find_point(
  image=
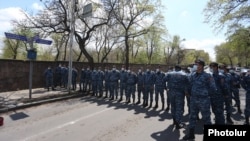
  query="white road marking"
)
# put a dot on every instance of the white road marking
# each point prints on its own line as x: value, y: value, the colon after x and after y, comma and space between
x: 67, y: 124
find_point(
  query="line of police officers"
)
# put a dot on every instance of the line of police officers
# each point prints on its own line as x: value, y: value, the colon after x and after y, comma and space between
x: 213, y: 90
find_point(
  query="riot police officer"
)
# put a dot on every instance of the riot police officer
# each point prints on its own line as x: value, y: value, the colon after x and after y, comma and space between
x: 114, y: 78
x: 100, y: 79
x: 107, y: 82
x: 159, y: 87
x: 178, y: 88
x: 140, y: 85
x: 82, y: 80
x: 74, y: 78
x: 49, y: 78
x: 246, y: 85
x: 149, y: 81
x: 235, y: 85
x: 201, y: 85
x: 122, y: 82
x: 217, y: 98
x: 131, y: 80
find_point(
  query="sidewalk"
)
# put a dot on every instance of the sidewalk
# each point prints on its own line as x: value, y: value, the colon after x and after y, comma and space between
x: 14, y: 100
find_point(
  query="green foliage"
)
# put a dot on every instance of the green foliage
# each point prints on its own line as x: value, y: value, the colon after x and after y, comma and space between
x: 16, y: 49
x: 221, y: 13
x: 235, y: 51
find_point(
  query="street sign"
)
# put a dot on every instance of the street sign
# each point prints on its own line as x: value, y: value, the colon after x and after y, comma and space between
x: 42, y: 41
x: 15, y: 36
x: 87, y: 10
x: 31, y: 54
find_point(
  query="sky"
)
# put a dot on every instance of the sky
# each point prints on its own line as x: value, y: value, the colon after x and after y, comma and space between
x: 182, y: 17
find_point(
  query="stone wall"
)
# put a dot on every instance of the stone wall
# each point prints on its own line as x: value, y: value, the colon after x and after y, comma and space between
x: 14, y: 74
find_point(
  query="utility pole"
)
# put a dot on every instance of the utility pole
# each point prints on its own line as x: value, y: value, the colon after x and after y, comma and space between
x: 71, y: 36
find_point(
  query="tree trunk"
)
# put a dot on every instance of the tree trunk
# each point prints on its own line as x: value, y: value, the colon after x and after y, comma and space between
x: 84, y: 51
x: 126, y: 52
x: 57, y: 55
x: 79, y: 57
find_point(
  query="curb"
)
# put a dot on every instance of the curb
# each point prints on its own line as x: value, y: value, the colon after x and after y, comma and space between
x: 36, y: 103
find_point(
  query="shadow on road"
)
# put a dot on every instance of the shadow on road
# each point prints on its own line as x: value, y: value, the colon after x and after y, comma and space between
x: 170, y: 134
x: 138, y: 109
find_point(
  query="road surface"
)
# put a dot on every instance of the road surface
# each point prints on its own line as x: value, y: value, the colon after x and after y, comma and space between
x: 95, y: 119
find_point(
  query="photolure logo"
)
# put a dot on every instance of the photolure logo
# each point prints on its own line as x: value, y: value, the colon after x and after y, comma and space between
x: 239, y: 132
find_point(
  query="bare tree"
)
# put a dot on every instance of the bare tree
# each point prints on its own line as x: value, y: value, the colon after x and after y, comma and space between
x: 130, y: 14
x: 59, y: 43
x: 55, y: 19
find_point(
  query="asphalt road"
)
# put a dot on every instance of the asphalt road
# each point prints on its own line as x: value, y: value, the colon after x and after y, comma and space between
x: 94, y: 119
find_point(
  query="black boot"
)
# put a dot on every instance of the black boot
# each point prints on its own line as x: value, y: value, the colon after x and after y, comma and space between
x: 120, y: 99
x: 111, y: 98
x: 247, y: 120
x: 179, y: 125
x: 156, y: 105
x: 239, y: 110
x: 100, y: 95
x: 128, y: 100
x: 167, y: 109
x: 138, y: 102
x: 162, y: 107
x: 106, y: 96
x: 145, y: 103
x: 190, y: 135
x: 150, y: 105
x: 229, y: 120
x: 174, y: 122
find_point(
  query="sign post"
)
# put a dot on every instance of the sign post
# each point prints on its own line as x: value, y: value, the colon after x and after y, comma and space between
x: 87, y: 12
x: 31, y: 52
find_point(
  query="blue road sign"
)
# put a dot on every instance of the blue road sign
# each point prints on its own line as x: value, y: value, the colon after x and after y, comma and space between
x: 31, y: 54
x: 15, y: 36
x: 42, y: 41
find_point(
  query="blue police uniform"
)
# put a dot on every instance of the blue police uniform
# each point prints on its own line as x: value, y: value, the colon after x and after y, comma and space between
x: 58, y: 76
x: 65, y: 77
x: 122, y: 83
x: 217, y: 98
x: 94, y: 80
x: 131, y: 80
x: 228, y: 97
x: 202, y: 84
x: 114, y: 78
x: 82, y: 80
x: 246, y: 85
x: 88, y: 80
x: 149, y: 81
x: 74, y: 78
x: 100, y: 79
x: 49, y: 78
x: 168, y: 95
x: 140, y: 85
x: 235, y: 85
x: 159, y: 88
x: 177, y: 85
x: 107, y: 83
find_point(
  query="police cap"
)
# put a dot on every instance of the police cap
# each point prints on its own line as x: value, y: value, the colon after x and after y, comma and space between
x: 214, y: 64
x: 199, y: 61
x: 177, y: 67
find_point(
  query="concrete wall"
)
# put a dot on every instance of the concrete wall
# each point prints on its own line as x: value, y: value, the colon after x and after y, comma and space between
x: 14, y: 74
